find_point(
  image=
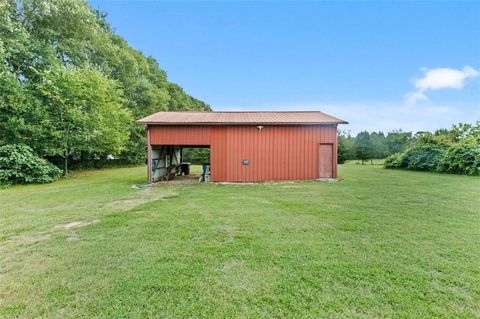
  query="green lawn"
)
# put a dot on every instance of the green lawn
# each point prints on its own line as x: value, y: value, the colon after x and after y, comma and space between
x: 380, y: 243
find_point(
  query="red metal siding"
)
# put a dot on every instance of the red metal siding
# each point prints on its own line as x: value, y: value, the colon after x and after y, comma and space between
x: 275, y: 153
x: 180, y: 135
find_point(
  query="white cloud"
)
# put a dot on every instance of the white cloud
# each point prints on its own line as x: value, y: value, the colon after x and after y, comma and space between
x: 441, y: 78
x: 414, y: 97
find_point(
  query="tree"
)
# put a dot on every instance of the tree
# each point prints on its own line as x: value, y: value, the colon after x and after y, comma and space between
x: 363, y: 146
x: 84, y: 113
x: 341, y: 148
x: 398, y: 141
x: 462, y: 131
x: 21, y: 114
x: 379, y: 145
x: 346, y: 147
x: 196, y: 155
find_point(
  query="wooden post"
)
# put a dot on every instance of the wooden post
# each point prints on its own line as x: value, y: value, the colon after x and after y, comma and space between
x: 149, y: 158
x: 335, y: 154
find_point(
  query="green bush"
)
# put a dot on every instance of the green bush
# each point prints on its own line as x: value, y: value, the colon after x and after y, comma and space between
x: 18, y: 164
x: 461, y: 158
x: 397, y: 160
x: 424, y: 157
x: 439, y: 153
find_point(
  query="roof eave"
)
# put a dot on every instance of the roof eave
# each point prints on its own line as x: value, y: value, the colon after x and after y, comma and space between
x: 238, y: 123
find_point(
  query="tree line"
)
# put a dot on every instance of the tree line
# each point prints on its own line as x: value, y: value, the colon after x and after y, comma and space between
x: 366, y: 146
x: 455, y: 150
x: 71, y: 89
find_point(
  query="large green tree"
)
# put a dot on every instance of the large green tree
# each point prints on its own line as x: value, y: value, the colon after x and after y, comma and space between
x: 379, y: 145
x: 363, y: 146
x: 83, y: 113
x: 346, y: 147
x: 398, y: 141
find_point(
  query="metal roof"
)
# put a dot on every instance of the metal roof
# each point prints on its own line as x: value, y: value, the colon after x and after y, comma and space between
x: 240, y: 118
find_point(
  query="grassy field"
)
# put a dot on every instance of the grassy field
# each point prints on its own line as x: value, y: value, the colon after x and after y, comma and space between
x: 380, y: 243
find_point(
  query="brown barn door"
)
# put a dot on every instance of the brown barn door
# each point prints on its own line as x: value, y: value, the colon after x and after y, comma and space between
x: 325, y: 161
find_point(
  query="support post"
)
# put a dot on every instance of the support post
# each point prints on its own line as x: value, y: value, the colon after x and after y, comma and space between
x: 149, y: 158
x: 335, y: 154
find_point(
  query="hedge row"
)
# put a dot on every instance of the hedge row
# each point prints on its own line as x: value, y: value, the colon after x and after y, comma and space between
x: 436, y: 154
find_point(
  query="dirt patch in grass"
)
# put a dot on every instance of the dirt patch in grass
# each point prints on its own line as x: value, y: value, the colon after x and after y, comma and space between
x: 142, y: 196
x: 22, y: 243
x: 182, y: 180
x: 292, y: 186
x: 76, y: 224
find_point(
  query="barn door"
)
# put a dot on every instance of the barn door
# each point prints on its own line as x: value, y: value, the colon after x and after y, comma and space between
x: 325, y: 161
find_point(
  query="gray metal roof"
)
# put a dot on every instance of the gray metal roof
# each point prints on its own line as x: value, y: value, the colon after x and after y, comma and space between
x: 240, y: 118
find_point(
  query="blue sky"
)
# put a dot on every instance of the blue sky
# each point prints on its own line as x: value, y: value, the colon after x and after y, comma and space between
x: 380, y: 66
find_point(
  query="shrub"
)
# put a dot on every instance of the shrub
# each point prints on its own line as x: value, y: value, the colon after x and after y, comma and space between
x: 18, y: 164
x: 396, y: 160
x: 440, y: 153
x: 461, y: 158
x: 424, y: 157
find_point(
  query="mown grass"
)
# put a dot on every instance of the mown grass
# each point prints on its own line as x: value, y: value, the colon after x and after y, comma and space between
x: 380, y: 243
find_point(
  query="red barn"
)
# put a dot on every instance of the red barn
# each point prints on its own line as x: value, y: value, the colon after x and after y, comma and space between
x: 246, y: 146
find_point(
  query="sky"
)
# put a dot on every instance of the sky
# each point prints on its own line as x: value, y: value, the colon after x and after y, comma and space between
x: 379, y: 66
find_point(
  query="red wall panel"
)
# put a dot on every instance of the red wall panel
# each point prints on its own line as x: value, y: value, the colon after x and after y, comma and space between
x: 180, y: 135
x: 274, y: 153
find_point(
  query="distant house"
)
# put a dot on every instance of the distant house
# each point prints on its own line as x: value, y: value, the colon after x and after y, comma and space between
x: 246, y: 146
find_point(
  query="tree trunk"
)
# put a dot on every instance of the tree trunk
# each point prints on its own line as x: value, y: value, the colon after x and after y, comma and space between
x: 65, y: 165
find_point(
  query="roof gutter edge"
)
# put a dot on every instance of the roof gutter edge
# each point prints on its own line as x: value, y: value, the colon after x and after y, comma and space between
x: 235, y: 123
